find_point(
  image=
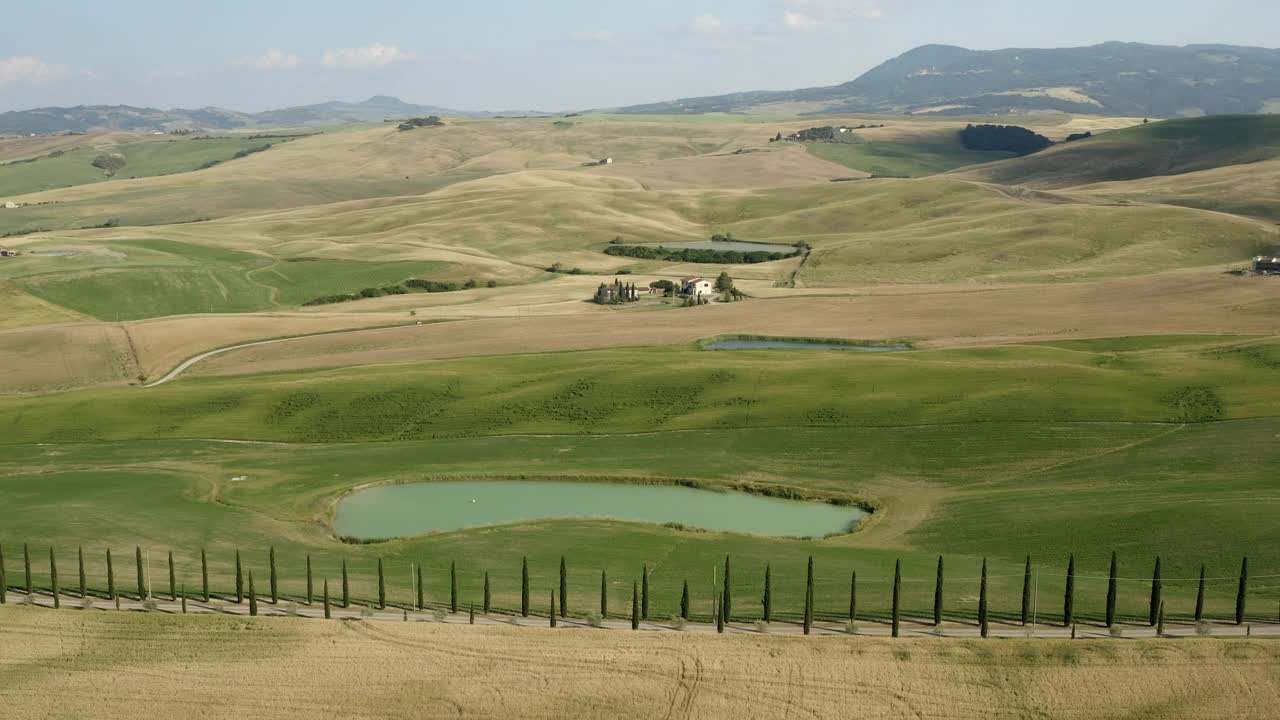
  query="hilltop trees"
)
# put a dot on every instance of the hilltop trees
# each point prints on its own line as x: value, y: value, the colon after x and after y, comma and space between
x: 1008, y: 138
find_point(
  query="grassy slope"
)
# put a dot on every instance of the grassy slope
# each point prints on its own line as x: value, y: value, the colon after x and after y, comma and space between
x: 1171, y: 147
x: 1000, y: 452
x: 94, y: 664
x: 129, y: 280
x: 912, y: 155
x: 145, y: 158
x: 1251, y: 190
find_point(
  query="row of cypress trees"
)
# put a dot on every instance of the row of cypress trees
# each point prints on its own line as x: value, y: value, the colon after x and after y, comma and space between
x: 723, y: 600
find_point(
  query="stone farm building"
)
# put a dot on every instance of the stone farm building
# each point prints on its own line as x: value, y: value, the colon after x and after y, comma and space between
x: 1265, y: 264
x: 696, y: 286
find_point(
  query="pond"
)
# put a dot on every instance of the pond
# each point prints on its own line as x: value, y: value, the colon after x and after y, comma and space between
x: 731, y: 245
x: 783, y: 344
x: 388, y: 511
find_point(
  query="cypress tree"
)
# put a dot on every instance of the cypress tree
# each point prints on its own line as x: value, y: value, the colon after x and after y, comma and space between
x: 184, y: 598
x: 275, y: 588
x: 204, y: 576
x: 720, y: 614
x: 1111, y: 591
x: 897, y: 591
x: 253, y: 597
x: 1242, y: 590
x: 453, y: 587
x: 1200, y: 597
x: 1160, y: 622
x: 604, y: 595
x: 808, y: 598
x: 684, y: 601
x: 111, y: 577
x: 937, y: 595
x: 552, y: 614
x: 767, y: 600
x: 486, y: 592
x: 524, y: 587
x: 173, y: 579
x: 1026, y: 592
x: 53, y: 579
x: 726, y: 597
x: 26, y: 566
x: 471, y: 614
x: 982, y: 601
x: 327, y: 612
x: 644, y: 591
x: 382, y: 587
x: 310, y: 587
x: 84, y: 590
x: 564, y: 589
x: 142, y: 580
x: 853, y: 596
x: 239, y: 579
x: 1156, y: 593
x: 4, y: 581
x: 346, y: 587
x: 1069, y: 597
x: 422, y: 598
x: 635, y: 607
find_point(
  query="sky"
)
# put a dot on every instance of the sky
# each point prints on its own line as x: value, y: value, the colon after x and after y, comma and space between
x: 553, y: 55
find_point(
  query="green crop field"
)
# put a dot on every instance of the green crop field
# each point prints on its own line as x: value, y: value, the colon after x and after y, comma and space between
x: 999, y: 453
x: 896, y: 159
x: 145, y: 157
x: 128, y: 280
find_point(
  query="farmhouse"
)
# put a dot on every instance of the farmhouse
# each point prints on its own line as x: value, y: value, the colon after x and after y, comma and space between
x: 1265, y: 264
x: 9, y: 253
x: 695, y: 286
x: 10, y: 205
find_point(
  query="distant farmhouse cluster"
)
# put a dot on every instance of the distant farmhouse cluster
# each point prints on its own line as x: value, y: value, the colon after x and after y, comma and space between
x: 5, y: 252
x: 1267, y: 265
x: 694, y: 290
x: 827, y: 133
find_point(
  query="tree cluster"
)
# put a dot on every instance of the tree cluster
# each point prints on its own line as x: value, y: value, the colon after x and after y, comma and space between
x: 414, y: 123
x: 694, y: 255
x: 411, y: 285
x: 1007, y: 138
x: 617, y: 293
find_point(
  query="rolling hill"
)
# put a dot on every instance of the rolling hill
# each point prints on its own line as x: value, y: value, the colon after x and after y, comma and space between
x: 1112, y: 78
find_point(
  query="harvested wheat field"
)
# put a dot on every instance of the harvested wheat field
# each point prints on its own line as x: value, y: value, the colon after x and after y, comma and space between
x: 90, y: 664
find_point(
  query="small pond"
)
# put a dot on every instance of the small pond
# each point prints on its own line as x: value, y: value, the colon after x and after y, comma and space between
x: 782, y: 344
x: 730, y: 245
x: 388, y: 511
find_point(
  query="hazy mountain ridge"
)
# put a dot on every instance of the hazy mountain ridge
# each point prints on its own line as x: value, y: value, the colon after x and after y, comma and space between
x: 1130, y: 79
x: 83, y: 118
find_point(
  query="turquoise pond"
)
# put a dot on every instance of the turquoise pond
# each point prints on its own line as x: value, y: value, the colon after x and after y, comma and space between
x: 389, y: 511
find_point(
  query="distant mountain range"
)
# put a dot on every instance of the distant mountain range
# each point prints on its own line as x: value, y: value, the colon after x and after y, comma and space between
x: 1114, y: 78
x: 83, y: 118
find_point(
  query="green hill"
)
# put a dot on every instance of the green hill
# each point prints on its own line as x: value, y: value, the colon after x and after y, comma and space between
x: 1172, y: 147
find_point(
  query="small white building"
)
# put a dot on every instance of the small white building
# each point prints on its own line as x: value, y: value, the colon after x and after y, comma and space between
x: 696, y: 286
x: 10, y: 205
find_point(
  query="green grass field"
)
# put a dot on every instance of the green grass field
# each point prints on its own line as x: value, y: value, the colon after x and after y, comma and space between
x: 901, y: 159
x: 999, y: 452
x: 143, y: 158
x: 129, y: 280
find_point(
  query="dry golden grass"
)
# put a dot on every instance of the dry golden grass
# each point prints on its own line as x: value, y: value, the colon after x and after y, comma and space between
x: 109, y: 665
x: 1174, y: 303
x: 19, y: 309
x: 61, y: 357
x: 757, y: 168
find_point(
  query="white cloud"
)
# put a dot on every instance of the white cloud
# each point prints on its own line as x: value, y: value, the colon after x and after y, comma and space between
x: 798, y: 21
x: 809, y: 14
x: 275, y: 59
x: 375, y: 55
x: 25, y: 68
x: 600, y: 36
x: 708, y: 23
x: 170, y: 72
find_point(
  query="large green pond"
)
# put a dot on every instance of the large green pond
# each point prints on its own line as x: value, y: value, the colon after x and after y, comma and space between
x: 389, y: 511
